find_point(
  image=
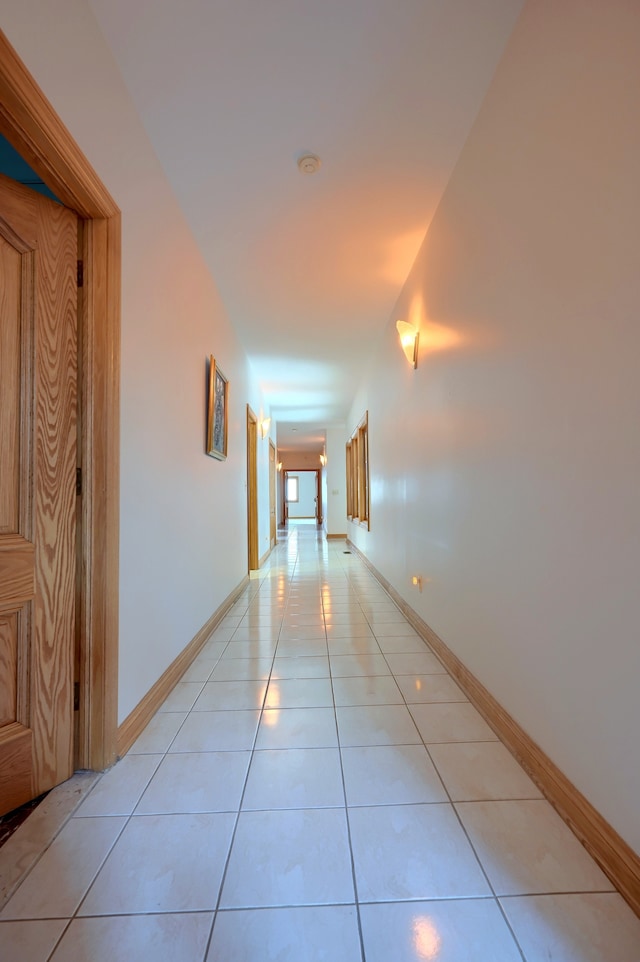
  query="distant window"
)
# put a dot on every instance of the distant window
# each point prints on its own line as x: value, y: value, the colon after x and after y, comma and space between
x: 293, y: 489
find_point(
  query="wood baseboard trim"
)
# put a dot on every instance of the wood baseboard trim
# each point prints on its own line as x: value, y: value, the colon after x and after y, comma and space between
x: 337, y: 537
x: 135, y: 723
x: 616, y: 859
x: 264, y: 557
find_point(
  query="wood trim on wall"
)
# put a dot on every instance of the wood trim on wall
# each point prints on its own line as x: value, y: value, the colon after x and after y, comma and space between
x: 135, y: 723
x: 252, y: 490
x: 265, y: 557
x: 336, y: 537
x: 30, y: 124
x: 616, y: 859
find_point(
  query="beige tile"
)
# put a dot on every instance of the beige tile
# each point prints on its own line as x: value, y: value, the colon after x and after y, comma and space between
x: 198, y: 782
x: 299, y: 693
x: 22, y: 850
x: 30, y: 941
x: 222, y: 634
x: 297, y: 728
x: 136, y: 938
x: 575, y: 928
x: 294, y: 778
x: 298, y: 648
x: 289, y: 858
x: 221, y: 695
x: 301, y: 667
x: 415, y: 663
x: 345, y: 666
x: 57, y: 883
x: 240, y: 669
x: 308, y: 619
x: 386, y: 616
x: 354, y: 646
x: 412, y: 644
x: 303, y: 934
x: 469, y: 930
x: 353, y: 630
x: 526, y: 848
x: 376, y: 725
x: 390, y: 775
x: 394, y: 629
x: 250, y: 649
x: 118, y: 791
x: 423, y: 689
x: 264, y: 618
x: 475, y: 771
x: 345, y: 618
x: 413, y: 852
x: 182, y: 696
x: 308, y: 633
x: 158, y: 734
x: 163, y: 863
x: 200, y: 669
x: 451, y: 722
x: 366, y: 690
x: 211, y: 731
x: 213, y: 649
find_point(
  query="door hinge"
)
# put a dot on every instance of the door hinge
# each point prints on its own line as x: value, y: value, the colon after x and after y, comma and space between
x: 76, y: 696
x: 78, y: 481
x: 80, y: 274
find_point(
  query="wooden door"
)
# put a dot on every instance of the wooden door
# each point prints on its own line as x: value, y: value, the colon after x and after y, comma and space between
x: 38, y: 360
x: 272, y: 494
x: 252, y: 489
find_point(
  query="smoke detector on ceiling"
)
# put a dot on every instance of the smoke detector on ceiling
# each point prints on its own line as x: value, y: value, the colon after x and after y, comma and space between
x: 309, y: 164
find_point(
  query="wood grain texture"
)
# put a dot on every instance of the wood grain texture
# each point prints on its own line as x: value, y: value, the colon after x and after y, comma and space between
x: 100, y: 459
x: 16, y: 786
x: 252, y: 489
x: 617, y: 859
x: 135, y: 723
x: 55, y: 469
x: 8, y: 668
x: 32, y: 126
x: 11, y: 273
x: 17, y: 571
x: 37, y: 133
x: 272, y: 495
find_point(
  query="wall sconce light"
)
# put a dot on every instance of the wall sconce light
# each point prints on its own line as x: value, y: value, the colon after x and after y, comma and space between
x: 323, y: 459
x: 409, y: 340
x: 265, y: 424
x: 279, y: 466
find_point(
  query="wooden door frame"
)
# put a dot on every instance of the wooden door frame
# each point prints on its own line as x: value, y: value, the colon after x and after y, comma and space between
x: 252, y: 490
x: 273, y: 489
x: 31, y: 125
x: 316, y: 471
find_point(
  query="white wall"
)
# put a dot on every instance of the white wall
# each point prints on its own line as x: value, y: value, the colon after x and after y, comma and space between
x: 505, y: 469
x: 335, y: 512
x: 183, y: 527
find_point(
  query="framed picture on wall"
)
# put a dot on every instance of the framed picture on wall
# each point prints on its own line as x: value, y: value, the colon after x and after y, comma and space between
x: 217, y: 412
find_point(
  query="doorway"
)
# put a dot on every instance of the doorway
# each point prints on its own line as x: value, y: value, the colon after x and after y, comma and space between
x: 252, y: 489
x: 29, y: 123
x: 302, y: 499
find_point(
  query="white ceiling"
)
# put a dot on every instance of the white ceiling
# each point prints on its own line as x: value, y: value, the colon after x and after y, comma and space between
x: 233, y: 92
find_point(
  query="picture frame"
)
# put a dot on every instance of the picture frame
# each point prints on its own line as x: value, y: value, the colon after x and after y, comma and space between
x: 217, y: 412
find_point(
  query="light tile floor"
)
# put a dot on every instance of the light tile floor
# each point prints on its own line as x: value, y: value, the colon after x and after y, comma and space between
x: 317, y: 787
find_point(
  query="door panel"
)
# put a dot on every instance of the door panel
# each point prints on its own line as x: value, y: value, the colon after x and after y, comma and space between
x: 38, y: 360
x: 252, y: 488
x: 272, y: 495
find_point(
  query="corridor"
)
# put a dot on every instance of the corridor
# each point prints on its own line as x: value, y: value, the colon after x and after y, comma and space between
x: 317, y: 787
